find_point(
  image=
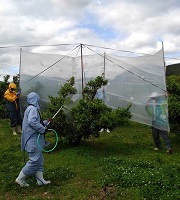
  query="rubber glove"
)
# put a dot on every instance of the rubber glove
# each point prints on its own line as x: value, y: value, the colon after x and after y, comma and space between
x: 45, y: 131
x: 18, y: 93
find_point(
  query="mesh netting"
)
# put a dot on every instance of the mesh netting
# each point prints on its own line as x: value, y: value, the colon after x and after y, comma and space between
x: 130, y: 80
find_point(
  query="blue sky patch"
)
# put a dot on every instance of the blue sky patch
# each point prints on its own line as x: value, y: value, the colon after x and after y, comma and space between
x: 104, y: 32
x: 15, y: 69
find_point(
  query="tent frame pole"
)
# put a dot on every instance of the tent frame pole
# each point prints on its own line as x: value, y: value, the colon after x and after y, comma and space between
x: 20, y: 65
x: 82, y: 69
x: 104, y: 75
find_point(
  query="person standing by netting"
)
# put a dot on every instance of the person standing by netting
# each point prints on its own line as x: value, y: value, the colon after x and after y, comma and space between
x: 156, y: 106
x: 12, y: 104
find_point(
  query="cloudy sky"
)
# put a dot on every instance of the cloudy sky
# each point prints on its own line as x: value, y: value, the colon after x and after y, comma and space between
x: 129, y: 25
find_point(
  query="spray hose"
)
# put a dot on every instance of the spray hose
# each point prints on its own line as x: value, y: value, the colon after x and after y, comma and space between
x: 38, y: 138
x: 55, y: 134
x: 56, y: 141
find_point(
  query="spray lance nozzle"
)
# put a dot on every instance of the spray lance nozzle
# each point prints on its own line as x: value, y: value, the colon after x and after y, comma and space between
x: 51, y: 119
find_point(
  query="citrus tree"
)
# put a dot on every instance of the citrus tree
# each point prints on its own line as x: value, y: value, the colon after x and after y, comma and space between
x: 86, y: 117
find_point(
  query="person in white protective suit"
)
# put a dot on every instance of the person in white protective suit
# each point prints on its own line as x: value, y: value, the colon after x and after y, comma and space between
x: 32, y: 126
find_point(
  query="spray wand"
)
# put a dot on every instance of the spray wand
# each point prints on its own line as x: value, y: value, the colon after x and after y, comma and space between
x: 50, y: 120
x: 55, y: 133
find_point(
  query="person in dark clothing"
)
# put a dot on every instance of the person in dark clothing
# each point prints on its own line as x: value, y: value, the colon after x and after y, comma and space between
x: 157, y: 108
x: 12, y: 104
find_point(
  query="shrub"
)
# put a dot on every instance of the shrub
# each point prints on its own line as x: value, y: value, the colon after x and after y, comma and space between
x: 173, y: 87
x: 3, y: 88
x: 86, y: 117
x: 62, y: 122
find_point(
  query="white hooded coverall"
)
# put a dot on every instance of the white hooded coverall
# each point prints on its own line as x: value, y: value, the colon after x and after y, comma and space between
x: 31, y: 128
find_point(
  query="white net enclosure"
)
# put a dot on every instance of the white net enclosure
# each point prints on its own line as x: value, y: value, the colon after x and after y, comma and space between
x: 138, y: 80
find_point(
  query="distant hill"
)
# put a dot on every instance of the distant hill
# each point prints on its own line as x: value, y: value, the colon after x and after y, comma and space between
x: 173, y: 70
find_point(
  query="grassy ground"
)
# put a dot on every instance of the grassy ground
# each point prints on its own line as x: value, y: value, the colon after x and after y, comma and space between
x: 120, y: 165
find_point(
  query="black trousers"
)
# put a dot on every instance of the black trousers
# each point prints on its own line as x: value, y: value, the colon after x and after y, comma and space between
x: 15, y: 118
x: 156, y: 137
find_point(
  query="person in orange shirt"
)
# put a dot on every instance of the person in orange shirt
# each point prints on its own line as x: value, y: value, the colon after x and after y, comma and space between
x: 12, y: 104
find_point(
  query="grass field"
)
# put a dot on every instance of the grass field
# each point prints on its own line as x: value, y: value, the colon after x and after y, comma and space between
x: 120, y: 165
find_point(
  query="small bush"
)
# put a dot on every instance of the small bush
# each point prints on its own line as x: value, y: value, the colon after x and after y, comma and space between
x: 86, y: 117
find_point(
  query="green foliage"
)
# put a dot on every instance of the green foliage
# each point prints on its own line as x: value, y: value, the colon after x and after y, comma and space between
x: 61, y: 123
x: 67, y: 90
x: 173, y: 87
x: 16, y: 80
x: 92, y: 86
x: 173, y: 69
x: 86, y: 117
x: 3, y: 88
x: 62, y: 173
x: 120, y: 116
